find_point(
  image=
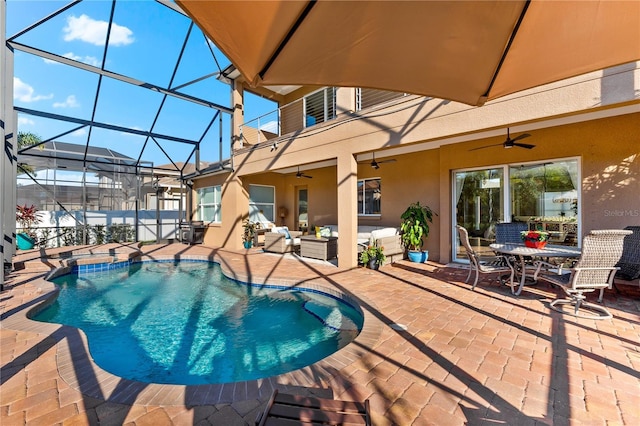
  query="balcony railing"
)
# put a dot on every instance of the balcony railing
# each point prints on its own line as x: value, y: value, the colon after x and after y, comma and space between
x: 315, y: 108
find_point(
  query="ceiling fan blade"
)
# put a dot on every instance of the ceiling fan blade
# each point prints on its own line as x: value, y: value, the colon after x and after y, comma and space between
x: 522, y: 136
x: 524, y: 145
x: 486, y: 146
x: 390, y: 160
x: 299, y: 174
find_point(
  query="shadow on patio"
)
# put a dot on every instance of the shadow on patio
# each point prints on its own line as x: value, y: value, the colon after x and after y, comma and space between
x: 437, y: 353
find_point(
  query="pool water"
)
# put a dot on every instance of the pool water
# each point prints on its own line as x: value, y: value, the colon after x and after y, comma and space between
x: 186, y: 323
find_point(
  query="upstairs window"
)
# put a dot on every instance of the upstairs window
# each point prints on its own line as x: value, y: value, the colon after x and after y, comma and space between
x: 366, y: 98
x: 320, y: 106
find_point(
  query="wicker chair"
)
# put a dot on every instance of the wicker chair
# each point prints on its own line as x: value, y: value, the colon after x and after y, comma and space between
x: 479, y: 265
x: 630, y: 260
x: 509, y: 232
x: 595, y: 270
x: 276, y: 241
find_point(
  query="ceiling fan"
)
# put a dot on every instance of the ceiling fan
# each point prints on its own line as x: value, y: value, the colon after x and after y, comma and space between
x: 376, y: 164
x: 300, y: 174
x: 510, y: 143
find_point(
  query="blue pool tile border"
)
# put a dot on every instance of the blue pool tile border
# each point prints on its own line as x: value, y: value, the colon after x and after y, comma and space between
x: 99, y: 267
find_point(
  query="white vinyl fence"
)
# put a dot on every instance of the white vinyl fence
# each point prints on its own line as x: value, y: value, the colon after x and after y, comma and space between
x: 57, y: 229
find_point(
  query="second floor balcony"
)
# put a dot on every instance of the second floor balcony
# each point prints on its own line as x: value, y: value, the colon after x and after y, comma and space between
x: 313, y: 109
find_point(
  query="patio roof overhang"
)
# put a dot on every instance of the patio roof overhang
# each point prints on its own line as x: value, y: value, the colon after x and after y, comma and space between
x: 464, y: 51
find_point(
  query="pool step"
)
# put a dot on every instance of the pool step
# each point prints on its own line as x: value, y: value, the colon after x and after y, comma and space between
x: 35, y: 265
x: 330, y: 316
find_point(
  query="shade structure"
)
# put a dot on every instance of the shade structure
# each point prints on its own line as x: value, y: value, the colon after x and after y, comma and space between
x: 468, y: 52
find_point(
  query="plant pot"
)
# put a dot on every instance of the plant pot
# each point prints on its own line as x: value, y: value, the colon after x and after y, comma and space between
x: 535, y: 244
x: 247, y: 244
x: 24, y: 241
x: 373, y: 264
x: 418, y: 256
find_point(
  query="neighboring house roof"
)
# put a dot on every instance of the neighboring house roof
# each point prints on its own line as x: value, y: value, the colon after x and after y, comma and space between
x: 212, y: 168
x: 173, y: 181
x: 63, y: 155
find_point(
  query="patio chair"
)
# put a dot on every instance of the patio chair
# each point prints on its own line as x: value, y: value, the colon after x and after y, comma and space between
x: 595, y: 270
x: 509, y: 232
x: 285, y: 409
x: 281, y: 240
x: 629, y: 263
x: 483, y: 265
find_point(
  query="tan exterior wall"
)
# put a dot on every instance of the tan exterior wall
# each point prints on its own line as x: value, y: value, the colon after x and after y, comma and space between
x: 611, y: 172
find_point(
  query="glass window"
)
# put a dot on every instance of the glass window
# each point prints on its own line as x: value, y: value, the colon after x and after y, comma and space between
x: 262, y: 202
x: 366, y: 98
x: 369, y: 197
x: 208, y: 207
x: 546, y: 196
x: 543, y: 195
x: 320, y: 106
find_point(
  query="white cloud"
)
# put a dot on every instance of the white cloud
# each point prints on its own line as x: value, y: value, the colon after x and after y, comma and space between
x: 79, y: 132
x: 70, y: 102
x: 90, y: 60
x: 24, y: 121
x: 25, y: 93
x: 91, y: 31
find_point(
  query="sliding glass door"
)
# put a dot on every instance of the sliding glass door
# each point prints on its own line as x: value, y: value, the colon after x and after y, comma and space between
x: 545, y: 195
x: 479, y: 204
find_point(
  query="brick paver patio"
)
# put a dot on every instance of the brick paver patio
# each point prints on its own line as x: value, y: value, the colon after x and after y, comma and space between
x: 432, y: 352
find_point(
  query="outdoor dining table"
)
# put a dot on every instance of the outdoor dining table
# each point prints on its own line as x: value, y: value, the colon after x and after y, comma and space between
x: 521, y: 251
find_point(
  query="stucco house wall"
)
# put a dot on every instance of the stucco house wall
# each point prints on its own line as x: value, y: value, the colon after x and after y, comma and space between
x: 592, y: 117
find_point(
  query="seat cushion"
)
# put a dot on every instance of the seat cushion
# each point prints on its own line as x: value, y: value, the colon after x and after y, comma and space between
x: 325, y: 232
x: 282, y: 230
x: 628, y: 271
x: 384, y: 232
x: 563, y: 280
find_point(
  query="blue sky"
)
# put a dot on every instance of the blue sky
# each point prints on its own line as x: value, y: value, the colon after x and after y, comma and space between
x: 145, y: 44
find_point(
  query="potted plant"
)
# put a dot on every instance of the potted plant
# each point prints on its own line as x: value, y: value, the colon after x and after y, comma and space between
x: 373, y: 257
x: 414, y: 228
x: 27, y: 217
x: 248, y: 233
x: 534, y: 239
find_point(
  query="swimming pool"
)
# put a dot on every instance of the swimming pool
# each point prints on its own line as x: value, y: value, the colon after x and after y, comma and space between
x: 186, y: 323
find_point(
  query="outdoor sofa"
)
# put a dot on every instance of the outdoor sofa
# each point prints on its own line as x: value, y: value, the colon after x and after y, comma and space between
x: 378, y: 236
